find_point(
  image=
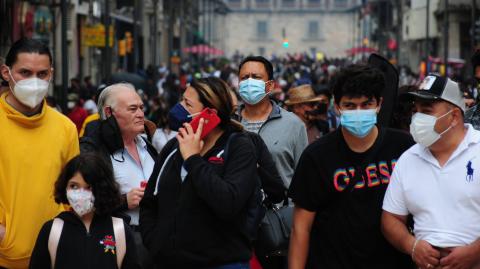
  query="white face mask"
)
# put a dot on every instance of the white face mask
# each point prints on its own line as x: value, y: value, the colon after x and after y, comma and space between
x: 31, y: 91
x: 70, y: 105
x: 422, y: 128
x: 81, y: 201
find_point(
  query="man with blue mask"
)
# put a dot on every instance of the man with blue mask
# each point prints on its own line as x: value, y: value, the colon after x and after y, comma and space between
x: 437, y: 182
x: 340, y: 181
x: 283, y: 132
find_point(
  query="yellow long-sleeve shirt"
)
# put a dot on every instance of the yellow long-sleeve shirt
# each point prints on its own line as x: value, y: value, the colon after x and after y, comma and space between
x: 33, y: 150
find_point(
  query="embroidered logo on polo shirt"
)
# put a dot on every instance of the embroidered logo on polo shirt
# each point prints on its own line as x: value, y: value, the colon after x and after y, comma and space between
x: 108, y: 244
x: 470, y: 171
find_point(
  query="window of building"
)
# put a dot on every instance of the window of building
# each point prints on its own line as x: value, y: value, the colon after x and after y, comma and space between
x: 288, y: 3
x: 341, y: 3
x: 313, y: 52
x: 262, y: 3
x: 312, y: 31
x: 261, y: 51
x: 314, y: 3
x: 262, y: 29
x: 235, y: 3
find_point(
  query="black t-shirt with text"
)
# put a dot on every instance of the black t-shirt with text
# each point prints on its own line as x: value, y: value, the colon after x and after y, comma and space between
x: 345, y: 189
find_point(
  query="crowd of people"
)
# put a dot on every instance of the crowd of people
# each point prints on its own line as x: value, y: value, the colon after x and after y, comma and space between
x: 174, y: 175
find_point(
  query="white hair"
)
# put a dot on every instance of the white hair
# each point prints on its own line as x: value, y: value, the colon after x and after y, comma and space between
x: 106, y: 98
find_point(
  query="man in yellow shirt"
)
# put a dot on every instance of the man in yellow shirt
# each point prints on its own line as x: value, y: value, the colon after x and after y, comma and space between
x: 35, y: 143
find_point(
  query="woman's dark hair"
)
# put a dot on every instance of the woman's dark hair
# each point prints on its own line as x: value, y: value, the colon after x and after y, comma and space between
x: 98, y: 174
x: 26, y: 45
x: 215, y: 93
x: 268, y: 65
x: 358, y: 80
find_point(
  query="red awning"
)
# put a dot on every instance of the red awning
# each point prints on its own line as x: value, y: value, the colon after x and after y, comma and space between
x: 357, y: 50
x: 203, y: 49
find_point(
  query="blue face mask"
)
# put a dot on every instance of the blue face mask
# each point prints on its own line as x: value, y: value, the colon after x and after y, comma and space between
x: 177, y: 116
x: 252, y: 91
x: 359, y: 122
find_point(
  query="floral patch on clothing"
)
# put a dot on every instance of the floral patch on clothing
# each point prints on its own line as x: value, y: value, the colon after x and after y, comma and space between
x: 108, y: 244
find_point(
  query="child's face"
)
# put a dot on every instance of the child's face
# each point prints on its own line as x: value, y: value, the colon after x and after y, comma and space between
x: 77, y: 182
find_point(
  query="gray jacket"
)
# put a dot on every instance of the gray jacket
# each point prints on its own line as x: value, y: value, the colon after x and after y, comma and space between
x: 286, y: 137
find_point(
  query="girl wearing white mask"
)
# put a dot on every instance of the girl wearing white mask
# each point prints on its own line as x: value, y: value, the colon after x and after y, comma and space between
x: 86, y: 236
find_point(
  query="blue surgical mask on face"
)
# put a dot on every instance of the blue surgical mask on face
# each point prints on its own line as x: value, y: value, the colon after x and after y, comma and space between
x: 358, y: 122
x: 177, y: 116
x: 252, y: 90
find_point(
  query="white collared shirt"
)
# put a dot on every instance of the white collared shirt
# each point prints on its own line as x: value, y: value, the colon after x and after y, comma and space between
x: 129, y: 174
x: 444, y: 201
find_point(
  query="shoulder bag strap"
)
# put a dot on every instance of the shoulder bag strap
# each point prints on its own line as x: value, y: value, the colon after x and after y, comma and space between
x: 121, y: 244
x: 54, y: 238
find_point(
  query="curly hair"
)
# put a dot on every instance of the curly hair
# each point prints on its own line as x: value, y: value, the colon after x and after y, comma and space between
x: 96, y: 173
x: 358, y: 80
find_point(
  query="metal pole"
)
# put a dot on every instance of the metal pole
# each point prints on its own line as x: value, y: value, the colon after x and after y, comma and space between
x: 171, y: 22
x: 445, y: 37
x: 472, y: 39
x: 427, y: 33
x: 136, y: 14
x: 63, y: 100
x: 155, y: 32
x: 107, y: 52
x: 399, y: 30
x: 209, y: 24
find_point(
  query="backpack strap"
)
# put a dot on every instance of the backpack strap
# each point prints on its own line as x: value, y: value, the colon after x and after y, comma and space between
x: 121, y: 244
x: 227, y: 146
x: 161, y: 170
x: 54, y: 238
x: 150, y: 148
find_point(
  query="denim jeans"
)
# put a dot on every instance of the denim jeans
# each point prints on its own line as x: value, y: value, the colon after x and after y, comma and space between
x: 236, y: 265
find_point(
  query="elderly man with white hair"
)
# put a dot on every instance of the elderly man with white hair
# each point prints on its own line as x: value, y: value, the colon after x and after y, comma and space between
x: 119, y: 139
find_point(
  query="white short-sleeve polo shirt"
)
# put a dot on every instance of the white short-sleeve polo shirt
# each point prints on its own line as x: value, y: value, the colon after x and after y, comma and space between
x: 444, y: 201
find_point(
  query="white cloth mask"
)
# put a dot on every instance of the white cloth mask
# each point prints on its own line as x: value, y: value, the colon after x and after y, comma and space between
x: 422, y: 128
x: 30, y: 91
x: 81, y: 200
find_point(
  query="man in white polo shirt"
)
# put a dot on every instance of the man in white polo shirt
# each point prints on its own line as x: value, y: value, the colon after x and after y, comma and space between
x: 437, y: 181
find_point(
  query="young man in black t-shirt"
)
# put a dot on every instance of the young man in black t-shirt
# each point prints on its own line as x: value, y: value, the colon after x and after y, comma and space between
x: 340, y: 182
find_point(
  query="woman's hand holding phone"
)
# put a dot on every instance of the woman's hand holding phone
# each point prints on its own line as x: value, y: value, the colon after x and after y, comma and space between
x: 189, y: 141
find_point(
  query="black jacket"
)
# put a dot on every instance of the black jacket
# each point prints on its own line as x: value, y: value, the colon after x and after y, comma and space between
x: 200, y: 222
x: 82, y: 250
x: 104, y: 137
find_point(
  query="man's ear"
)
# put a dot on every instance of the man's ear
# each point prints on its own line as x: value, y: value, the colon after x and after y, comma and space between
x: 380, y: 102
x: 337, y: 108
x: 4, y: 72
x: 107, y: 111
x: 458, y: 119
x: 269, y: 86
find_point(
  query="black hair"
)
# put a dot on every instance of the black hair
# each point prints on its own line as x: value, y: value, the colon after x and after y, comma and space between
x: 358, y: 80
x: 98, y: 174
x: 215, y: 93
x: 325, y: 92
x: 26, y: 45
x: 475, y: 59
x: 266, y: 63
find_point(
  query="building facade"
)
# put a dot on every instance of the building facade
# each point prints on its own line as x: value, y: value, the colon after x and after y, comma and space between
x: 281, y: 27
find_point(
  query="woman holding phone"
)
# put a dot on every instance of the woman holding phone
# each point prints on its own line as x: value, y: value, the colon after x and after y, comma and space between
x: 194, y: 211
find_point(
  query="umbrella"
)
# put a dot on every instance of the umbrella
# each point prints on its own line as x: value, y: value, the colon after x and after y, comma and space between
x: 391, y: 87
x: 135, y: 79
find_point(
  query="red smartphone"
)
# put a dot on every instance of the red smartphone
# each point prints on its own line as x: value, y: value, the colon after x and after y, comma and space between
x: 143, y: 184
x: 211, y: 121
